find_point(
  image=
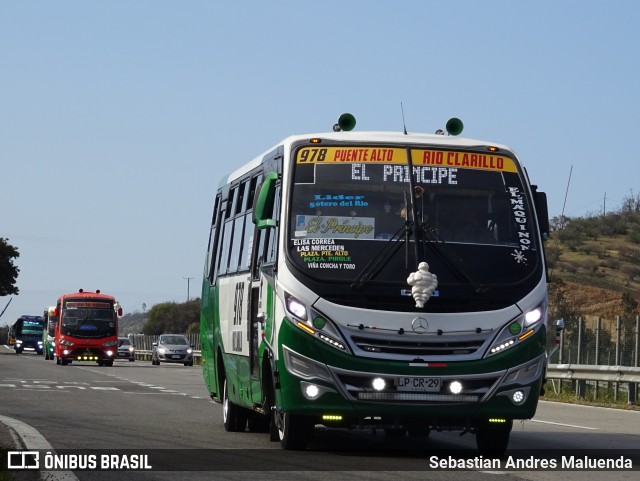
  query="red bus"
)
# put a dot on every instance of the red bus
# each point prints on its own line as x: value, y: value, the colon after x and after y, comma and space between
x: 87, y: 329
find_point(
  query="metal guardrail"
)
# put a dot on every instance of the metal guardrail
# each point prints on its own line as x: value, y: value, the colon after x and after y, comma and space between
x: 589, y: 372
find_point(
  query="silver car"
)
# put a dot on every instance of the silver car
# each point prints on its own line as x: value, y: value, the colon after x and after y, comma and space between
x: 172, y: 348
x: 126, y: 349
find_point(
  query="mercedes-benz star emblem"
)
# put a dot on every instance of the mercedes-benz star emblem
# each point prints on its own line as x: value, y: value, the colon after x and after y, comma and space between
x: 419, y: 325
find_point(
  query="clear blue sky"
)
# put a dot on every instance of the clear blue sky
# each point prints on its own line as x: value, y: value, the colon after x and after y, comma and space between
x: 118, y: 118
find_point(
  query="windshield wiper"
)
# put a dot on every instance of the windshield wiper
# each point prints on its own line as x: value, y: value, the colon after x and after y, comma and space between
x: 426, y: 235
x: 441, y: 250
x: 382, y: 258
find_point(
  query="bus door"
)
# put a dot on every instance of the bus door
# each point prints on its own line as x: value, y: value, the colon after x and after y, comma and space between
x: 263, y: 261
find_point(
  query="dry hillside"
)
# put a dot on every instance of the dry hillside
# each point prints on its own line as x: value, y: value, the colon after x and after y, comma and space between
x: 598, y: 261
x: 595, y: 301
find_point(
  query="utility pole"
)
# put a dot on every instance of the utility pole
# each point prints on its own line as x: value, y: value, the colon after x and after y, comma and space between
x: 188, y: 279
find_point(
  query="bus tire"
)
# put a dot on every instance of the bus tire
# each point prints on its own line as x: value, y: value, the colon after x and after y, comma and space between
x: 274, y: 435
x: 493, y: 439
x: 64, y: 362
x: 258, y: 423
x: 233, y: 416
x: 294, y: 431
x: 57, y: 360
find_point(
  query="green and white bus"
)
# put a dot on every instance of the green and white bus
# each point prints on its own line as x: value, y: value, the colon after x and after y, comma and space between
x: 49, y: 333
x: 377, y: 279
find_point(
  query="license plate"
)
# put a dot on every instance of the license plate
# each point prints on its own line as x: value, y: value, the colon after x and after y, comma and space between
x: 418, y: 384
x: 176, y: 356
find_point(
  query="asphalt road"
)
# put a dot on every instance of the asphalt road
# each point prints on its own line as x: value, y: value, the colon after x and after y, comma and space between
x: 165, y: 412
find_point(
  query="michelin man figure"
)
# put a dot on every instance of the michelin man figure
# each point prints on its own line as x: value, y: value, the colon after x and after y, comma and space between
x: 423, y: 284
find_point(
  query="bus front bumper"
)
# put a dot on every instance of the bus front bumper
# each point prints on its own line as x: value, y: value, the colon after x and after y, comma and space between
x: 88, y: 354
x: 448, y: 396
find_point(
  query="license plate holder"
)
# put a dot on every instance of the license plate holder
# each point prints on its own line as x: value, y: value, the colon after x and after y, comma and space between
x: 418, y: 384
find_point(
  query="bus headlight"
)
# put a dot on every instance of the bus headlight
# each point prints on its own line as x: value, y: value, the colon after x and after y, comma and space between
x: 517, y: 330
x: 295, y: 307
x: 378, y: 384
x: 313, y: 391
x: 518, y: 397
x: 455, y: 387
x: 320, y: 327
x: 532, y: 316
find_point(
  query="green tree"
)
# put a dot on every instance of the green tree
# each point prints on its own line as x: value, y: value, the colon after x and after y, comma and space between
x: 171, y: 317
x: 8, y: 271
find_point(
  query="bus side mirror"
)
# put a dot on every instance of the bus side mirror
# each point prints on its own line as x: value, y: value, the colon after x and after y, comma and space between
x: 263, y: 202
x: 542, y: 212
x: 120, y: 312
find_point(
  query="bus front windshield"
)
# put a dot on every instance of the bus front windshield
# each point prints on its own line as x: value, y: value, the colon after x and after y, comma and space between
x: 88, y: 320
x: 31, y: 327
x: 357, y: 218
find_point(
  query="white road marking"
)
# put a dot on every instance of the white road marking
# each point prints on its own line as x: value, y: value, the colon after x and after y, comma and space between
x: 33, y: 440
x: 563, y: 424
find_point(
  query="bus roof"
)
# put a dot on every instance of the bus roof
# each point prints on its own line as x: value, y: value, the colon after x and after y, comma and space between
x: 364, y: 136
x: 83, y: 293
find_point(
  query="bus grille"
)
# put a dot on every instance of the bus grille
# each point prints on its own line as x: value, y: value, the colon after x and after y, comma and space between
x: 419, y: 347
x: 415, y: 396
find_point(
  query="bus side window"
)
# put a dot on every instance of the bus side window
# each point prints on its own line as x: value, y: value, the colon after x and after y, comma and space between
x: 226, y: 235
x: 213, y: 241
x: 249, y: 227
x: 220, y: 241
x: 238, y: 228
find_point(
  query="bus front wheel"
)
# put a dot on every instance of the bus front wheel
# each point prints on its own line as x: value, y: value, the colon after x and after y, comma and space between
x: 493, y: 439
x: 294, y: 431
